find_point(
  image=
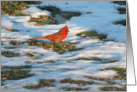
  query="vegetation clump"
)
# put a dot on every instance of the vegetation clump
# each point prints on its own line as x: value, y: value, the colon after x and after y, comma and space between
x: 121, y: 73
x: 56, y: 47
x: 15, y: 74
x: 42, y: 20
x: 68, y: 15
x: 13, y: 8
x: 93, y: 35
x: 42, y: 83
x: 74, y: 89
x: 10, y: 47
x: 9, y: 54
x: 17, y: 67
x: 112, y: 89
x: 14, y: 42
x: 31, y: 55
x: 91, y: 58
x: 12, y: 30
x: 55, y: 10
x: 32, y: 2
x: 79, y: 82
x: 122, y: 10
x: 120, y: 2
x: 122, y: 22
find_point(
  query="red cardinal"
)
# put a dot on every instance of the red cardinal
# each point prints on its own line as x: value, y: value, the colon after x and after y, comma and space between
x: 56, y: 37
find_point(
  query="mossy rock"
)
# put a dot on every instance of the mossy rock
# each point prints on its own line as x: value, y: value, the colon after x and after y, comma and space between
x: 9, y: 54
x: 42, y: 83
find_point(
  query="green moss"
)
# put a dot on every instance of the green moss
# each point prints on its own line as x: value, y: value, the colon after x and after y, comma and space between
x: 31, y: 55
x: 93, y: 34
x: 42, y: 83
x: 121, y: 73
x: 13, y: 42
x: 42, y: 20
x: 9, y: 54
x: 17, y: 67
x: 97, y: 59
x: 122, y: 22
x: 79, y: 82
x: 112, y: 89
x: 15, y: 74
x: 11, y: 7
x: 109, y: 61
x: 19, y: 14
x: 122, y: 10
x: 74, y: 89
x: 54, y: 10
x: 32, y: 2
x: 92, y: 58
x: 68, y: 15
x: 50, y: 61
x: 12, y: 30
x: 10, y: 47
x: 120, y: 2
x: 2, y: 43
x: 56, y: 47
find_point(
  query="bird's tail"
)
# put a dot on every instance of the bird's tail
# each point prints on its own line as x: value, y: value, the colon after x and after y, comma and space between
x: 39, y: 38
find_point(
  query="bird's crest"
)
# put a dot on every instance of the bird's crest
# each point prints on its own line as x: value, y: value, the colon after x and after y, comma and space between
x: 65, y: 28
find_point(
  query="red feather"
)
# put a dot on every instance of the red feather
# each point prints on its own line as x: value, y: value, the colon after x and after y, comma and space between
x: 56, y: 37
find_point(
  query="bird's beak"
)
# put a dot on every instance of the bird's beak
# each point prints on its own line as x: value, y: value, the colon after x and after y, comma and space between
x: 68, y: 31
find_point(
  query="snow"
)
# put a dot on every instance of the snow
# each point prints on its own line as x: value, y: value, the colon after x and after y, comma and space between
x: 35, y: 12
x: 104, y: 13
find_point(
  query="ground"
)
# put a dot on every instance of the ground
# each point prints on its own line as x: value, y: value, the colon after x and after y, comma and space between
x: 91, y: 58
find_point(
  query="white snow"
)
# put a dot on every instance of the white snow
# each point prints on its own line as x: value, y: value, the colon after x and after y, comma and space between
x: 35, y: 12
x: 104, y: 13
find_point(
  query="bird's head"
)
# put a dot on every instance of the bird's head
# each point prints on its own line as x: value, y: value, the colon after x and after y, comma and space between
x: 65, y: 29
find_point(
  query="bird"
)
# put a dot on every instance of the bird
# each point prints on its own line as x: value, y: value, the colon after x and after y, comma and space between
x: 56, y: 37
